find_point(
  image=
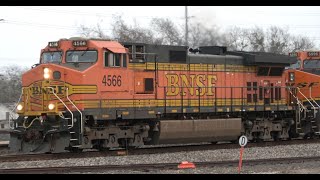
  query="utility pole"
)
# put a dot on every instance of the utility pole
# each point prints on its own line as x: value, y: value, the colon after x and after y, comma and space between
x: 186, y: 16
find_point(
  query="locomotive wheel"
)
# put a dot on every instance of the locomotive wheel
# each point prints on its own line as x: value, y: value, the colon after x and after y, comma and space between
x: 103, y: 149
x: 75, y: 150
x: 275, y: 137
x: 234, y: 141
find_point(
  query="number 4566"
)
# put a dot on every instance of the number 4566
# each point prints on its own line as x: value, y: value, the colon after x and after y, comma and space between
x: 111, y: 80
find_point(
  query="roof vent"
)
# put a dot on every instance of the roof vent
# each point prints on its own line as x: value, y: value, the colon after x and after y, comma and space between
x: 215, y: 50
x: 77, y: 38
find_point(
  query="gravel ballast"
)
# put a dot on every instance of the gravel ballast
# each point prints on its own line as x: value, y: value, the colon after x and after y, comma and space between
x: 195, y: 156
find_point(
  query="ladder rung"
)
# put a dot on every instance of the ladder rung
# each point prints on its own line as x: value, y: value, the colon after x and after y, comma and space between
x: 77, y: 146
x: 72, y: 132
x: 314, y: 126
x: 73, y: 139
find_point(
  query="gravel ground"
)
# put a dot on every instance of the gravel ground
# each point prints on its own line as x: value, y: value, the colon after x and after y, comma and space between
x: 294, y: 168
x: 195, y: 156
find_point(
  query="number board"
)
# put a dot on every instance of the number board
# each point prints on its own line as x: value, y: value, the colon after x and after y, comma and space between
x: 293, y: 54
x: 313, y: 54
x: 53, y: 44
x: 79, y: 43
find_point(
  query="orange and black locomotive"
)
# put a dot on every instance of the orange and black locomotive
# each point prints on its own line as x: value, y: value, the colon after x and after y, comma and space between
x: 101, y: 94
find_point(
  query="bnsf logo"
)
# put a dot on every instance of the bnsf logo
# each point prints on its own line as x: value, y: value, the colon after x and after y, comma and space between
x: 36, y: 90
x: 191, y: 84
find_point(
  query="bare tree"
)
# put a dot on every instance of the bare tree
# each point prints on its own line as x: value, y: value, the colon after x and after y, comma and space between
x: 96, y: 32
x: 278, y: 40
x: 125, y: 33
x: 301, y: 43
x: 10, y: 81
x: 257, y: 39
x: 237, y: 39
x: 196, y: 35
x: 203, y: 36
x: 166, y: 31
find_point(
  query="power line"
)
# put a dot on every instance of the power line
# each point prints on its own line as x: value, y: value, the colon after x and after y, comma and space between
x: 91, y: 14
x: 289, y: 14
x: 41, y: 25
x: 285, y: 25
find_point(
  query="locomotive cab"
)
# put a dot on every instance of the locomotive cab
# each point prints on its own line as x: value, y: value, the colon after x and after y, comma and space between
x: 51, y: 115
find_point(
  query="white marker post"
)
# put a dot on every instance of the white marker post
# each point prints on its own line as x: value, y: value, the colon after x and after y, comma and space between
x: 243, y: 140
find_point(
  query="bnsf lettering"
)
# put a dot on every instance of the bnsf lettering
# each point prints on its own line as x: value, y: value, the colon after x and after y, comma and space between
x: 40, y: 90
x: 191, y: 84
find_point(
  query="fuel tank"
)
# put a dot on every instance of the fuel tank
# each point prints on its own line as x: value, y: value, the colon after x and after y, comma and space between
x: 203, y: 130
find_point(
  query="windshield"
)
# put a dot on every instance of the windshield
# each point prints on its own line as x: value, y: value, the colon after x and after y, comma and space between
x: 314, y: 64
x: 295, y: 65
x: 81, y: 56
x: 51, y: 57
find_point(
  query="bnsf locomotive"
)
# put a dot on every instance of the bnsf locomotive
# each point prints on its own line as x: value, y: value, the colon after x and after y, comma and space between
x: 304, y: 75
x: 101, y: 94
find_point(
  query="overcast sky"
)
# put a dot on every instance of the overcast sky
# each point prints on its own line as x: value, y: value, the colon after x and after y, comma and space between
x: 24, y: 31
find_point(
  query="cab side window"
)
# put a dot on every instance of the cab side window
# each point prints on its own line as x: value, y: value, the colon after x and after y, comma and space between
x: 124, y: 60
x: 115, y: 59
x: 109, y: 60
x: 106, y: 59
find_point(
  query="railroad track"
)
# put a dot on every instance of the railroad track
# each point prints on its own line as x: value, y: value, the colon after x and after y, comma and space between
x: 145, y: 150
x: 158, y: 166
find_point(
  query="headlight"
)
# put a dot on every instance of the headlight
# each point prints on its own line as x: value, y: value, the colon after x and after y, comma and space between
x: 46, y: 76
x: 46, y: 72
x: 51, y: 106
x: 19, y: 107
x: 291, y: 76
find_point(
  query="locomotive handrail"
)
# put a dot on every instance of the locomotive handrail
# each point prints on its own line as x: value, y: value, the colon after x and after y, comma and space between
x: 81, y: 128
x: 312, y: 98
x: 300, y: 106
x: 305, y: 97
x: 296, y: 99
x: 221, y: 86
x: 314, y: 112
x: 64, y: 106
x: 26, y: 101
x: 136, y: 59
